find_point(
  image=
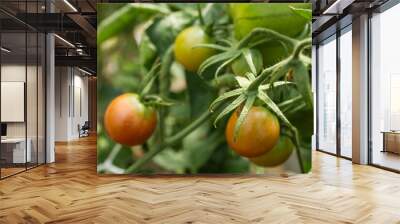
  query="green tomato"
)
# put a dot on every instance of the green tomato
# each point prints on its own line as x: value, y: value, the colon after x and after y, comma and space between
x: 278, y: 154
x: 275, y: 16
x: 185, y: 51
x: 240, y: 66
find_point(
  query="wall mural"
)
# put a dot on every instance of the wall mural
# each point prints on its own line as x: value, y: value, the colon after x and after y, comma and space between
x: 204, y: 88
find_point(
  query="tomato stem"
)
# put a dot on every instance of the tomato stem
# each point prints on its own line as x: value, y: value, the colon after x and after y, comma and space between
x: 268, y: 34
x: 227, y: 80
x: 163, y: 87
x: 264, y: 75
x: 202, y: 23
x: 300, y: 46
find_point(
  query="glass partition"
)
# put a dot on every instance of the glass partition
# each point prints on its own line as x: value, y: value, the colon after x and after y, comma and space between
x: 327, y: 95
x: 346, y: 92
x: 22, y: 88
x: 41, y: 96
x: 14, y: 153
x: 31, y: 99
x: 385, y: 89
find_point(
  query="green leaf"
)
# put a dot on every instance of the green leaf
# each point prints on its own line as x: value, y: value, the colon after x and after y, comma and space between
x: 171, y: 160
x: 126, y: 18
x: 274, y: 108
x: 199, y: 146
x: 236, y: 164
x: 231, y: 107
x: 242, y: 81
x: 226, y: 63
x: 249, y: 59
x: 164, y: 30
x: 305, y: 153
x: 216, y: 59
x: 147, y: 52
x: 124, y: 157
x: 223, y: 160
x: 225, y: 96
x: 243, y: 114
x: 213, y: 12
x: 200, y: 94
x: 305, y: 13
x: 250, y: 76
x: 212, y: 46
x: 276, y: 84
x: 287, y: 104
x: 302, y: 80
x: 227, y: 43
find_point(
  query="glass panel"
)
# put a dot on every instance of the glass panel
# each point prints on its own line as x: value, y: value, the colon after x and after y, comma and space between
x: 23, y: 90
x: 327, y: 96
x: 41, y: 99
x: 346, y: 93
x: 32, y: 87
x: 385, y: 92
x: 13, y: 86
x: 314, y: 89
x: 31, y: 99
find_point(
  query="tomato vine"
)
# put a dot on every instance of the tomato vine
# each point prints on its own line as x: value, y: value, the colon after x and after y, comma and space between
x: 257, y: 86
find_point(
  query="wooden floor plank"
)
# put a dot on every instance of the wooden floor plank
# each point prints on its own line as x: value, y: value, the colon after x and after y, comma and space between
x: 70, y: 191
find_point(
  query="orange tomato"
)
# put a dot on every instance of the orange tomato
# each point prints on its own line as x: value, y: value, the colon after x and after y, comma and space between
x: 258, y: 134
x: 128, y: 121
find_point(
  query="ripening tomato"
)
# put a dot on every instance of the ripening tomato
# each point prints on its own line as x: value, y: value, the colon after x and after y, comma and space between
x: 185, y: 51
x: 278, y: 154
x: 240, y: 66
x: 128, y: 121
x: 258, y: 134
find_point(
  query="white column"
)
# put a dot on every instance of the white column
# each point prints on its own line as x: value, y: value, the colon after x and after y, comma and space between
x: 50, y: 93
x: 360, y: 90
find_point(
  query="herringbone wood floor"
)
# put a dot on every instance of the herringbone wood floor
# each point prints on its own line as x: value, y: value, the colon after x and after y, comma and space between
x: 70, y: 191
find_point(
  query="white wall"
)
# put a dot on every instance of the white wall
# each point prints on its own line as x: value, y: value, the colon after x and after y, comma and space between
x: 71, y: 94
x: 12, y: 73
x: 61, y: 103
x: 15, y: 73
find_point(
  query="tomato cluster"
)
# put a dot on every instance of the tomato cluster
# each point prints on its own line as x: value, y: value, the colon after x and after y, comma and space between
x: 130, y: 122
